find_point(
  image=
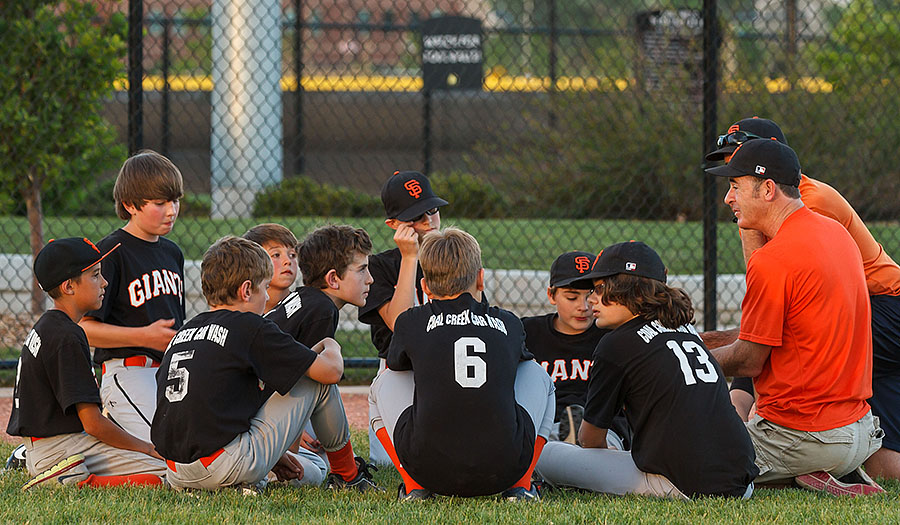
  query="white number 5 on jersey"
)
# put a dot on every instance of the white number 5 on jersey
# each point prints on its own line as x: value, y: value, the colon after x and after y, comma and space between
x: 471, y: 370
x: 176, y: 392
x: 707, y: 374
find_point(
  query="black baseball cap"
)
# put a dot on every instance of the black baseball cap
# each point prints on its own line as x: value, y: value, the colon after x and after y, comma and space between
x: 631, y: 258
x: 407, y: 195
x: 766, y: 159
x: 570, y: 269
x: 63, y: 259
x: 761, y: 127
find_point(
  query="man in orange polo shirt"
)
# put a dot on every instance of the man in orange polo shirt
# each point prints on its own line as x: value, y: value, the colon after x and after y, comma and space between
x: 882, y: 281
x: 805, y: 335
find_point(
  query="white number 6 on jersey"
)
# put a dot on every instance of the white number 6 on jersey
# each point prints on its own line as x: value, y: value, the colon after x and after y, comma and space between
x: 176, y: 392
x: 463, y: 362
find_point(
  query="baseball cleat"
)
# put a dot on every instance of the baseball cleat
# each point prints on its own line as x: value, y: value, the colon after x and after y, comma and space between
x: 16, y: 460
x: 569, y: 424
x: 521, y: 494
x: 362, y: 482
x: 413, y: 495
x: 821, y: 481
x: 67, y: 472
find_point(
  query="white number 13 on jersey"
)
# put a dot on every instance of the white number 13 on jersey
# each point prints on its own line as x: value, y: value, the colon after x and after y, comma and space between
x: 464, y: 363
x: 707, y: 374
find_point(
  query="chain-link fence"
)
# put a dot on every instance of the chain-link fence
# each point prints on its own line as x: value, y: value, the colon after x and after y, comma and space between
x: 549, y: 126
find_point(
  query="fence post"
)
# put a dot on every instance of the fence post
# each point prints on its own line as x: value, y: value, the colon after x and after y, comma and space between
x: 166, y: 66
x: 710, y: 116
x: 135, y: 76
x: 552, y: 59
x: 246, y: 144
x: 299, y: 139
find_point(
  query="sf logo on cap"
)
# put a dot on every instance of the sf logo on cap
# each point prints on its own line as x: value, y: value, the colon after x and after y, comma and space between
x: 582, y: 264
x: 630, y: 266
x: 760, y: 170
x: 413, y: 187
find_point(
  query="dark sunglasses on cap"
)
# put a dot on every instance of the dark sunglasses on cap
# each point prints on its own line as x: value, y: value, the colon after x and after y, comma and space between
x: 735, y: 139
x: 430, y: 212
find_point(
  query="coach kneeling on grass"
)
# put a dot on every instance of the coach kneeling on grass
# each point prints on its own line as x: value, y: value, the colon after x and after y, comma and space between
x: 805, y: 333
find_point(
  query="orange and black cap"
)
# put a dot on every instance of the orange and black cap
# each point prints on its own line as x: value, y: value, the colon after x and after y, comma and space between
x: 407, y: 195
x: 569, y: 270
x: 760, y: 127
x: 63, y: 259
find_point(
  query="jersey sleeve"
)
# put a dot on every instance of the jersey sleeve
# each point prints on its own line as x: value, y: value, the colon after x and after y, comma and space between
x: 605, y: 395
x: 71, y: 373
x: 762, y: 310
x: 397, y: 356
x: 384, y: 280
x: 278, y: 360
x: 524, y: 353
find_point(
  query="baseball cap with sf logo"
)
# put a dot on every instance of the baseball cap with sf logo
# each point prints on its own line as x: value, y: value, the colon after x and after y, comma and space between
x: 569, y: 270
x: 407, y: 195
x: 766, y: 159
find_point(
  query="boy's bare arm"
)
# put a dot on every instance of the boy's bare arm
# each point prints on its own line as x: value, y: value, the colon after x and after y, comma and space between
x: 591, y: 437
x: 718, y: 338
x: 156, y: 335
x: 329, y: 365
x: 108, y: 432
x: 405, y: 291
x: 751, y: 240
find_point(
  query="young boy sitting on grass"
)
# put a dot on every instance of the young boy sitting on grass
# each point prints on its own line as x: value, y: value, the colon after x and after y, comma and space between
x: 463, y: 409
x: 335, y: 267
x: 563, y: 342
x: 688, y: 440
x: 56, y: 405
x: 281, y: 245
x: 234, y: 391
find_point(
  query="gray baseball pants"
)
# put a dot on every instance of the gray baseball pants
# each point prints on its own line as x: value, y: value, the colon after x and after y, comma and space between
x: 252, y: 454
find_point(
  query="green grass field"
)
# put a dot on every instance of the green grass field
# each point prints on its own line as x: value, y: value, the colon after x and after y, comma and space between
x: 312, y: 505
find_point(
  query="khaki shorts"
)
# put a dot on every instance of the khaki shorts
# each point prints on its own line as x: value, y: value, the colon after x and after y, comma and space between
x: 784, y: 453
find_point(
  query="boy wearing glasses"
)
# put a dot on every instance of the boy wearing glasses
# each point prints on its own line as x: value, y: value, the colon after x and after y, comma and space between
x: 412, y: 210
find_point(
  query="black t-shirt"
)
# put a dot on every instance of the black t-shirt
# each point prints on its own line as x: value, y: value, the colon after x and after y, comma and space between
x: 216, y: 374
x: 308, y: 314
x: 385, y: 268
x: 55, y: 373
x: 566, y: 358
x: 677, y: 402
x: 464, y: 434
x: 146, y: 284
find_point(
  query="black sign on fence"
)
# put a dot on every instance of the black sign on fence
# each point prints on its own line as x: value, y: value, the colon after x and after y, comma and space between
x: 670, y: 41
x: 452, y: 56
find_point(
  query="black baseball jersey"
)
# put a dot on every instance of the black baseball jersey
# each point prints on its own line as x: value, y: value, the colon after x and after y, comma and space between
x: 308, y: 314
x: 385, y: 268
x: 677, y: 402
x: 55, y: 373
x: 464, y: 434
x: 146, y: 284
x: 216, y: 374
x: 566, y: 358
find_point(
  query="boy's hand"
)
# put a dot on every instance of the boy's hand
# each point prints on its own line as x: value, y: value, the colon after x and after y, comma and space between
x: 158, y: 334
x: 288, y: 467
x: 310, y: 443
x: 153, y: 453
x: 407, y: 239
